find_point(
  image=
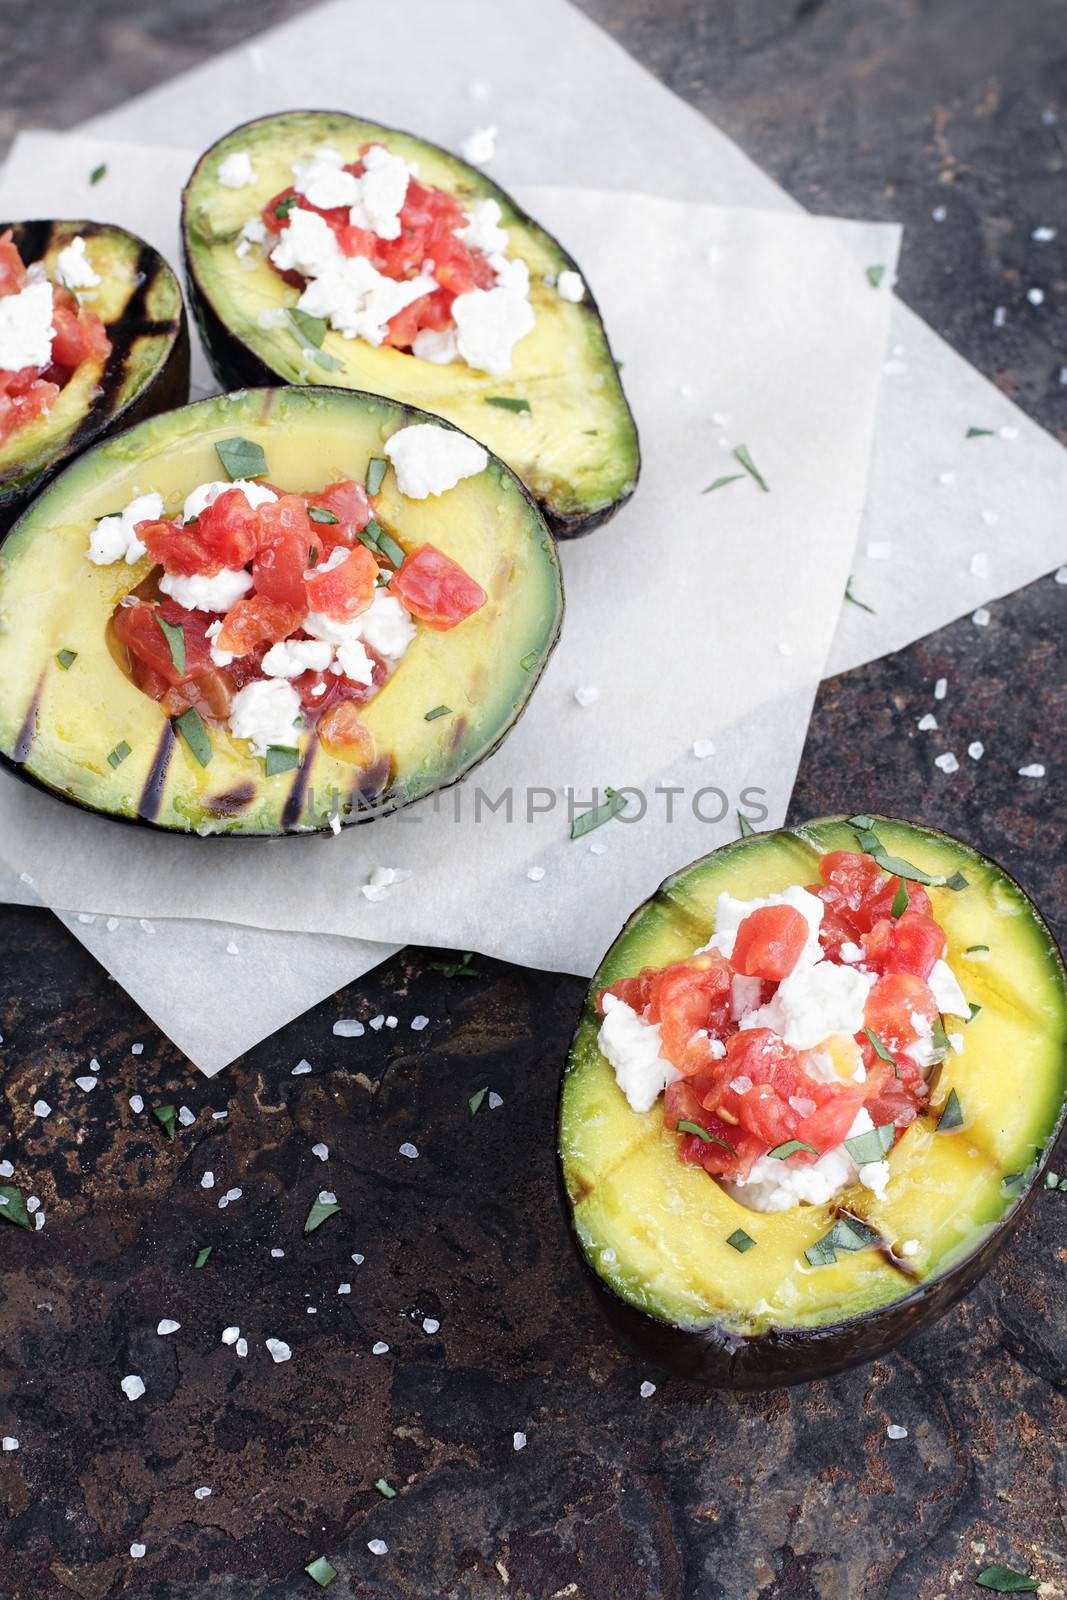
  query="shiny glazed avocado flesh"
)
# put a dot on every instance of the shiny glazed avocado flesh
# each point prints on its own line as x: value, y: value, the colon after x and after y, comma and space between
x: 140, y: 304
x: 654, y: 1231
x: 59, y: 726
x: 575, y: 448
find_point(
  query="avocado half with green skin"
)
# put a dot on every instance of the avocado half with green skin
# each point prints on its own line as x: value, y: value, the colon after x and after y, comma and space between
x: 140, y: 303
x: 653, y: 1233
x: 575, y: 448
x: 60, y: 720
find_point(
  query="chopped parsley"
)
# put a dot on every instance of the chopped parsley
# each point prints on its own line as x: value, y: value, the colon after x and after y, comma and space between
x: 174, y: 634
x: 740, y: 1241
x: 744, y: 827
x: 951, y: 1115
x: 975, y: 1009
x: 901, y: 900
x: 66, y: 659
x: 13, y: 1208
x: 879, y: 1048
x: 379, y: 542
x: 506, y: 403
x: 385, y: 1488
x: 742, y: 454
x: 438, y: 711
x: 457, y: 969
x: 320, y: 1211
x: 377, y: 467
x: 202, y: 1255
x: 1005, y: 1580
x: 872, y: 1145
x: 720, y: 483
x: 281, y: 758
x: 938, y: 1034
x: 167, y: 1118
x: 320, y: 514
x: 598, y: 816
x: 975, y: 949
x: 782, y: 1152
x: 849, y: 596
x: 98, y: 173
x: 474, y: 1104
x: 703, y: 1134
x: 117, y: 756
x: 875, y: 276
x: 191, y: 727
x: 241, y: 458
x: 321, y: 1570
x: 283, y: 208
x: 309, y: 332
x: 979, y: 433
x: 873, y: 846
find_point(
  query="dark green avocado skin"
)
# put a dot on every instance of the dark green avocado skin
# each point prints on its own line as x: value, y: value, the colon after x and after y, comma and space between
x: 166, y: 388
x: 779, y: 1358
x: 237, y: 366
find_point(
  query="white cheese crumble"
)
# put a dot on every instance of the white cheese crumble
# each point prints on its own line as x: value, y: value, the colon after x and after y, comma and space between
x: 569, y: 286
x: 479, y: 146
x: 290, y: 657
x: 235, y: 172
x: 483, y: 230
x: 814, y: 1002
x: 73, y: 269
x: 217, y: 593
x: 205, y: 494
x: 387, y: 627
x: 430, y: 460
x: 380, y: 192
x: 436, y: 345
x: 632, y: 1047
x: 221, y: 658
x: 265, y: 712
x: 489, y: 324
x: 730, y: 913
x: 946, y: 991
x: 357, y: 299
x: 115, y: 538
x: 26, y: 327
x: 354, y: 662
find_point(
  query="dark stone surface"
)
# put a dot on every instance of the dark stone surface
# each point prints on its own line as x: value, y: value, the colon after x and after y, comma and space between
x: 885, y: 109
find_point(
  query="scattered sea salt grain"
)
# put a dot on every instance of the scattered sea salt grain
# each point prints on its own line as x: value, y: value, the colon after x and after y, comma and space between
x: 201, y: 1493
x: 322, y: 1151
x: 86, y: 1083
x: 279, y: 1350
x: 947, y: 762
x: 910, y: 1247
x: 1036, y: 296
x: 327, y: 1197
x: 535, y: 874
x: 344, y: 1288
x: 39, y: 1221
x: 587, y: 696
x: 86, y: 916
x: 895, y: 1431
x: 207, y: 1181
x: 312, y: 1311
x: 138, y: 1550
x: 186, y: 1117
x: 167, y: 1325
x: 358, y: 1259
x: 300, y: 1068
x: 277, y: 1254
x: 980, y: 618
x: 378, y: 1022
x: 136, y: 1049
x: 380, y: 1348
x: 956, y: 1043
x: 111, y: 924
x: 976, y: 750
x: 9, y: 1443
x: 1000, y: 316
x: 377, y: 1547
x: 419, y: 1022
x: 231, y: 950
x: 1043, y: 235
x: 430, y: 1325
x: 939, y: 213
x: 597, y: 847
x: 979, y: 565
x: 7, y: 1169
x: 927, y: 723
x: 495, y: 1100
x: 33, y: 1204
x: 703, y: 748
x: 1034, y: 770
x: 879, y: 550
x: 390, y: 1022
x: 41, y: 1108
x: 230, y: 1335
x: 136, y: 1103
x: 219, y: 1116
x: 940, y: 688
x: 1060, y: 573
x: 241, y: 1348
x: 479, y: 146
x: 518, y: 1441
x: 146, y: 926
x: 348, y: 1028
x: 947, y: 478
x: 132, y: 1386
x: 647, y: 1390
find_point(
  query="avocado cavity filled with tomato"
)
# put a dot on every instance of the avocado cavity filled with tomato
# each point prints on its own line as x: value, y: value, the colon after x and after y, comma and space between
x: 272, y: 612
x: 92, y: 335
x: 326, y: 249
x: 812, y: 1088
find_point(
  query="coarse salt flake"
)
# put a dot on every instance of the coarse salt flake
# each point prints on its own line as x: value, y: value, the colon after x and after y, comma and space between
x: 132, y: 1386
x: 947, y: 762
x: 518, y: 1441
x: 648, y: 1389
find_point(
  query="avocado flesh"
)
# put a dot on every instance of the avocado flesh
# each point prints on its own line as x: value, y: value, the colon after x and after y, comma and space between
x: 668, y: 1224
x: 576, y: 449
x: 58, y: 727
x: 140, y: 303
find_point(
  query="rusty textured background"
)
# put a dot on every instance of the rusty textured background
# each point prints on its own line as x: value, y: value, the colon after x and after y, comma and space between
x: 878, y: 107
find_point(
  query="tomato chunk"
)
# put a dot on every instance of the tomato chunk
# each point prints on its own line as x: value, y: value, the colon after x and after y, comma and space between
x: 348, y: 502
x: 256, y: 620
x: 910, y: 943
x: 12, y: 271
x: 224, y: 535
x: 283, y: 550
x: 436, y: 589
x: 769, y: 942
x: 344, y: 733
x: 893, y: 1006
x: 138, y: 629
x: 344, y: 590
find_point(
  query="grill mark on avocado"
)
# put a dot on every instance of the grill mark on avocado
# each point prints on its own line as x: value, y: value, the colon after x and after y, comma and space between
x: 458, y: 732
x: 232, y: 801
x: 28, y: 731
x: 294, y: 803
x: 373, y: 782
x: 152, y: 794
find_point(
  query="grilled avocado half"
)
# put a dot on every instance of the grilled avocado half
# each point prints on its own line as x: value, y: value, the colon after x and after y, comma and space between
x: 576, y: 446
x: 140, y: 304
x: 654, y: 1233
x: 73, y: 720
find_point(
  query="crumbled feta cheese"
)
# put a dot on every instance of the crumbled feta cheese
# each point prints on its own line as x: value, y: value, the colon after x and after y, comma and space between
x: 255, y: 232
x: 632, y: 1048
x: 436, y: 345
x: 235, y: 171
x: 479, y: 147
x: 569, y: 286
x: 535, y: 874
x: 265, y: 712
x: 132, y: 1386
x: 217, y: 593
x: 26, y: 327
x: 386, y: 626
x: 814, y: 1002
x: 946, y: 990
x: 73, y: 269
x: 772, y: 1185
x: 510, y: 272
x: 221, y: 658
x: 290, y: 657
x: 380, y: 193
x: 205, y: 494
x: 489, y: 324
x: 354, y: 662
x: 115, y: 538
x: 357, y: 299
x: 730, y: 913
x: 430, y: 460
x: 308, y: 245
x: 482, y: 230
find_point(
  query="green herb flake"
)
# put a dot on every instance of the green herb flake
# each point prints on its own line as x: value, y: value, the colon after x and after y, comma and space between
x: 848, y: 1234
x: 849, y: 596
x: 377, y: 467
x: 438, y: 711
x: 241, y: 458
x: 167, y: 1118
x: 938, y: 1035
x: 879, y: 1048
x: 1004, y: 1580
x: 506, y: 402
x: 744, y: 827
x: 283, y: 208
x: 862, y: 823
x: 875, y: 276
x: 720, y: 483
x: 742, y: 454
x: 976, y: 949
x: 385, y: 1488
x: 956, y: 882
x: 872, y: 1145
x: 98, y: 173
x: 66, y: 659
x: 901, y: 900
x: 320, y: 514
x: 202, y: 1255
x: 117, y: 756
x: 474, y: 1104
x: 979, y: 433
x: 191, y: 727
x: 390, y: 549
x: 319, y: 1213
x: 821, y: 1253
x: 870, y: 843
x: 951, y: 1115
x: 281, y: 758
x: 975, y: 1011
x: 740, y: 1241
x: 530, y: 660
x: 703, y: 1134
x: 782, y: 1152
x: 321, y: 1570
x: 598, y: 816
x: 309, y: 332
x: 174, y: 634
x: 457, y: 969
x: 13, y: 1207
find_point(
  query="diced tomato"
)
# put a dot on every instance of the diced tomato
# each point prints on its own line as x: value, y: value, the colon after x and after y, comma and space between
x: 344, y: 733
x: 349, y: 503
x: 687, y: 997
x: 334, y: 686
x: 429, y: 311
x: 909, y: 943
x: 892, y: 1004
x: 833, y: 1116
x: 769, y: 942
x: 283, y: 550
x: 211, y: 693
x: 436, y: 589
x: 138, y: 629
x: 12, y: 271
x: 343, y: 591
x: 224, y: 535
x: 23, y: 398
x: 256, y: 620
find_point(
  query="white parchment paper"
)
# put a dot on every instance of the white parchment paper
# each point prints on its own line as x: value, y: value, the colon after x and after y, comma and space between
x: 698, y: 617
